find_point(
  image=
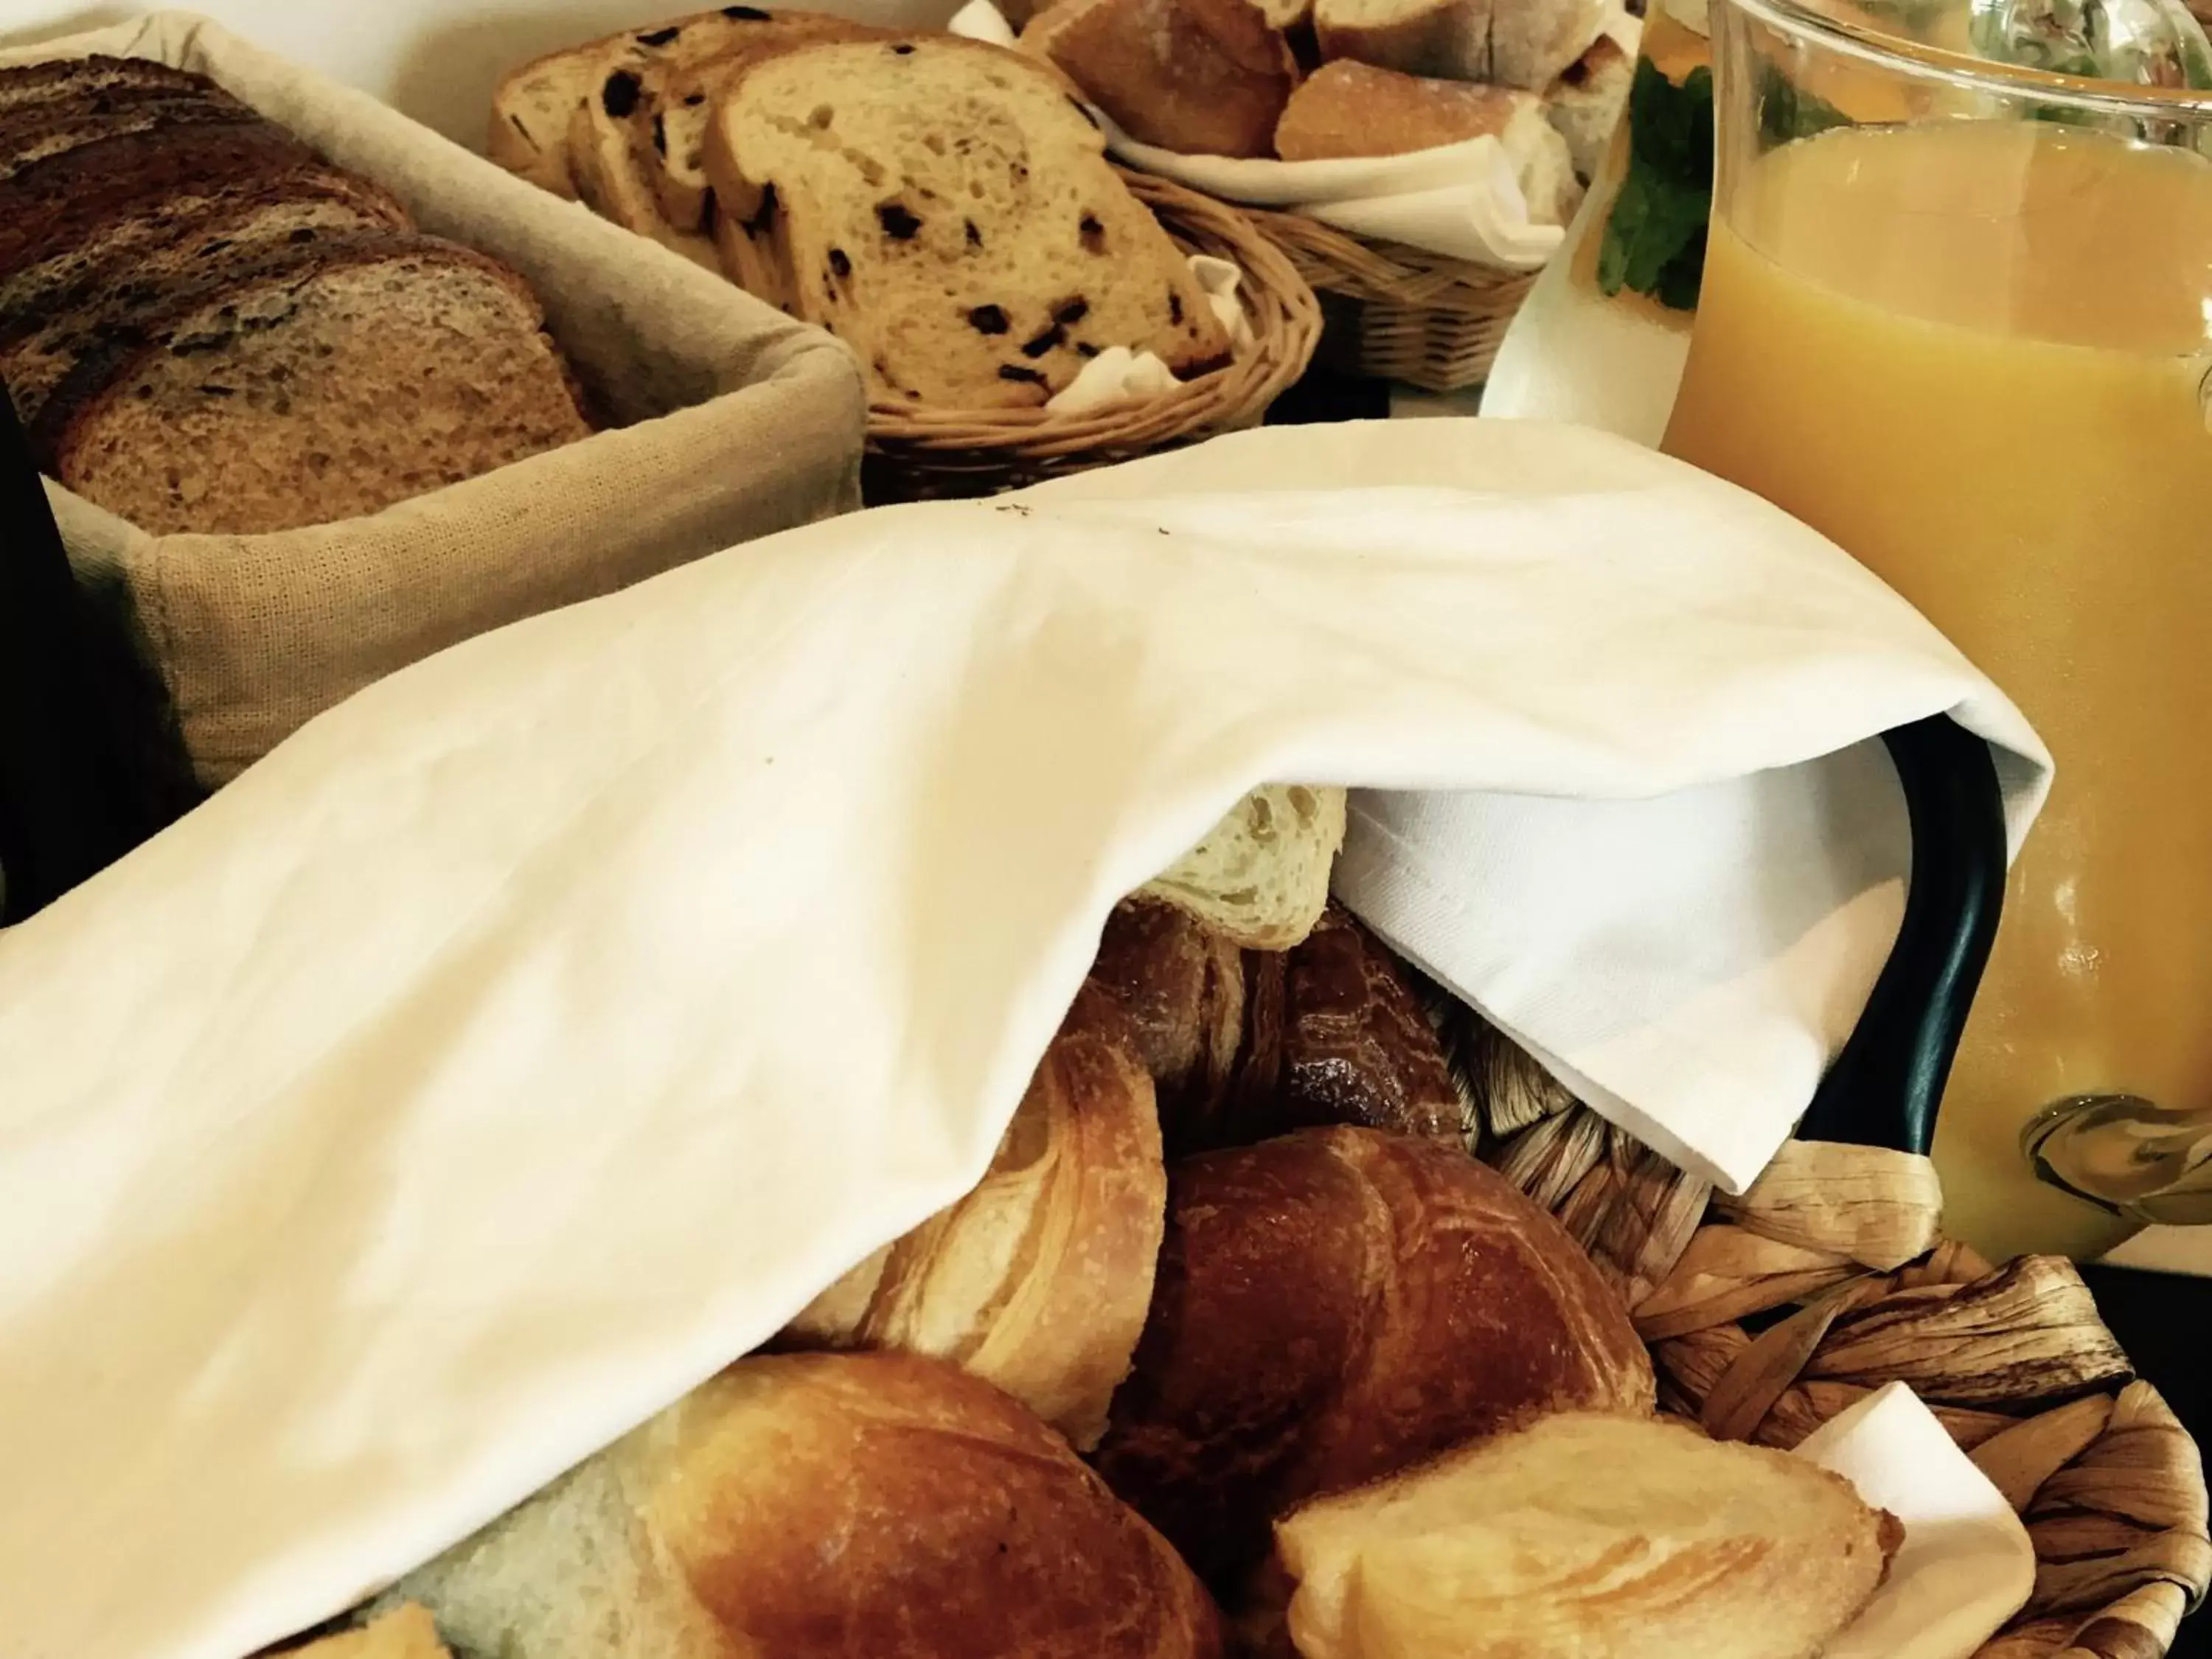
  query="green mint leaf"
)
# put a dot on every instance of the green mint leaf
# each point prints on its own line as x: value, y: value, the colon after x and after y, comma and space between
x: 1655, y: 237
x: 1786, y: 112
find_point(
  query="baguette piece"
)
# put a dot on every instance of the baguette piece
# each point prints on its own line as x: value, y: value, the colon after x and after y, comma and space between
x: 1585, y: 104
x: 1337, y: 1306
x: 1601, y: 1537
x: 1261, y: 876
x: 1347, y: 109
x: 1039, y: 1280
x: 1511, y: 43
x: 883, y: 1504
x: 323, y: 382
x: 946, y: 208
x: 1202, y: 78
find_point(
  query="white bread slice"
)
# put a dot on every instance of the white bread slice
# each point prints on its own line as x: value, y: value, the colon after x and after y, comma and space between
x: 946, y: 208
x: 1347, y: 109
x: 1039, y: 1280
x: 1596, y: 1536
x: 407, y: 1631
x: 1586, y: 101
x: 1511, y: 43
x: 1260, y: 877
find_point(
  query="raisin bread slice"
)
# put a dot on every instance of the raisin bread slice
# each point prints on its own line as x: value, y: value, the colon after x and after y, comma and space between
x: 947, y: 209
x: 145, y: 264
x: 317, y: 384
x: 531, y: 110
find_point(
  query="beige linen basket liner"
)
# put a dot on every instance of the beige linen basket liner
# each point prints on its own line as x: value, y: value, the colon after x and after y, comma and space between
x: 735, y: 422
x: 1767, y: 1314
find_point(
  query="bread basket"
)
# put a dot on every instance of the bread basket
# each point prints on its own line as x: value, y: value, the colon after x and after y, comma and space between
x: 1769, y: 1313
x: 1396, y: 313
x: 923, y: 454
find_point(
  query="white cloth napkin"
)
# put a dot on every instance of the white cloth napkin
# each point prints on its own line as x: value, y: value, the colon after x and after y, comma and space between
x: 1118, y: 374
x: 1967, y: 1564
x: 1463, y: 201
x: 538, y: 1030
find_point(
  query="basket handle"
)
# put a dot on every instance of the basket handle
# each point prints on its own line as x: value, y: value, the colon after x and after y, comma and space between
x: 1885, y: 1086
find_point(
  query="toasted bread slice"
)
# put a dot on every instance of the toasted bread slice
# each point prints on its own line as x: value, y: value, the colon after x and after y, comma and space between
x: 947, y: 208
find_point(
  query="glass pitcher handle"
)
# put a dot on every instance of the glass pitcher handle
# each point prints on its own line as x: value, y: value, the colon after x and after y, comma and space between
x: 1885, y: 1086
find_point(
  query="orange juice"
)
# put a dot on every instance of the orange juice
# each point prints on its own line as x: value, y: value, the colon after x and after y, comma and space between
x: 1973, y: 354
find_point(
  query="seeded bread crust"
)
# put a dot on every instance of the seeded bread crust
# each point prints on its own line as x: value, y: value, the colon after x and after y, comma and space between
x: 268, y: 400
x: 947, y: 208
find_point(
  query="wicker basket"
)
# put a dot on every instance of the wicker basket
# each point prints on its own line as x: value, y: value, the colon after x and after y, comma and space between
x: 917, y: 454
x: 1396, y: 313
x: 1770, y: 1314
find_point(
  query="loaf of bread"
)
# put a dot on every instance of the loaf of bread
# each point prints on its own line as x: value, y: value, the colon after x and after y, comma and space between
x: 407, y: 1631
x: 1596, y: 1536
x: 1040, y: 1279
x: 883, y: 1504
x: 206, y: 327
x: 1205, y: 77
x: 1245, y: 1045
x: 1346, y: 108
x: 1334, y: 1307
x: 945, y: 207
x: 1509, y: 43
x: 1261, y: 876
x: 1585, y: 104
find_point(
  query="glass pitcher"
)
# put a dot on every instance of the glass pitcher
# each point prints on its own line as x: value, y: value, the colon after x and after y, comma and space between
x: 1958, y: 316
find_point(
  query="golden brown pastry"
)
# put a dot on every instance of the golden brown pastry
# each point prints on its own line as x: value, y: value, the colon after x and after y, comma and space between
x: 1336, y: 1306
x: 878, y: 1504
x: 1599, y: 1537
x: 1037, y: 1280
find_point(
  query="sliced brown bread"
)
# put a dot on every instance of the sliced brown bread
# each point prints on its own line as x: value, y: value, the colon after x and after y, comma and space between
x: 145, y: 264
x: 25, y: 143
x: 64, y: 77
x: 54, y: 204
x: 947, y: 208
x: 46, y: 265
x: 320, y: 383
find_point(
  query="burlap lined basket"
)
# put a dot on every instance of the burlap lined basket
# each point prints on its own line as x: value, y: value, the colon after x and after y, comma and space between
x: 921, y: 454
x: 1770, y: 1314
x: 1395, y: 312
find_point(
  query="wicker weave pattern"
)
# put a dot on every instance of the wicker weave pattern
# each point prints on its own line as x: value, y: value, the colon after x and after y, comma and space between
x: 1396, y: 313
x: 915, y: 455
x: 2014, y: 1360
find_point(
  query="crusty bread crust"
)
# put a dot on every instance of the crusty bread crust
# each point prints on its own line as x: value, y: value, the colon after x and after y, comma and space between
x: 1336, y: 1306
x: 1203, y: 77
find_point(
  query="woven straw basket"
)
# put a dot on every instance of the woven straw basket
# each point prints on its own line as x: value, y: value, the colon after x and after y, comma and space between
x: 1770, y: 1314
x: 1396, y: 313
x: 918, y: 454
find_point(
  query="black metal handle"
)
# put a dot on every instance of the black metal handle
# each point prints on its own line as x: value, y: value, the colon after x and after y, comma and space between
x: 91, y: 763
x: 1885, y: 1086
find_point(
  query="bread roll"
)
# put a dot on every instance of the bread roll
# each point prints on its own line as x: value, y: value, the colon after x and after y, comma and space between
x: 1601, y: 1537
x: 1260, y: 875
x: 1509, y: 43
x: 1202, y: 78
x: 1338, y: 1305
x: 883, y: 1505
x: 1039, y: 1280
x: 1353, y: 109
